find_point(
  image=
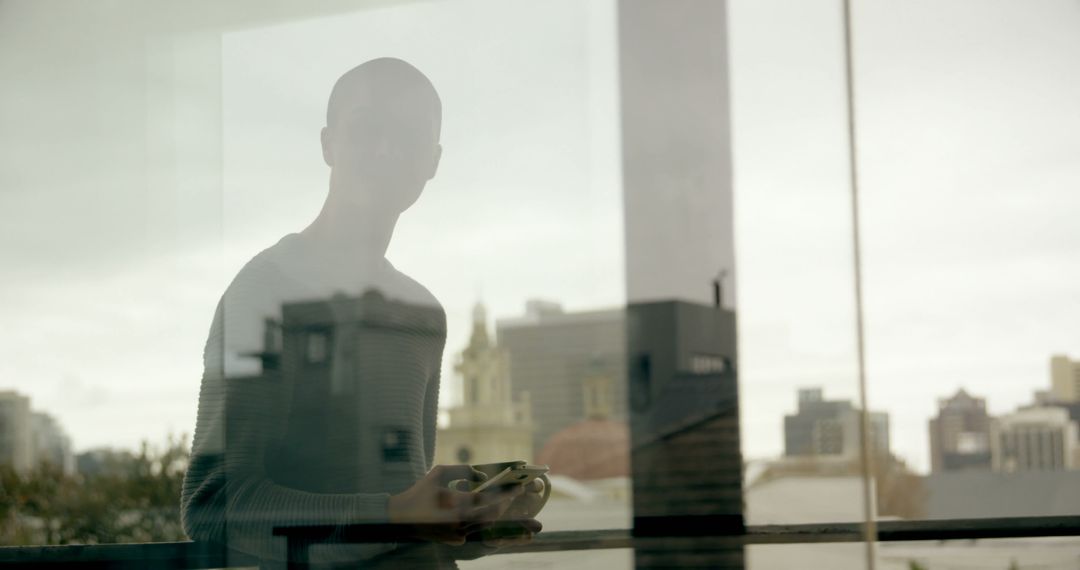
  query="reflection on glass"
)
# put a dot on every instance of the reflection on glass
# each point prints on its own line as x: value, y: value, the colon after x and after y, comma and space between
x: 336, y: 426
x: 572, y: 235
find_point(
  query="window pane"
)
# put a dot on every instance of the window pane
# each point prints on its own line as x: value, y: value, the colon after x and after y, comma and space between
x: 267, y: 264
x: 798, y: 376
x: 970, y: 236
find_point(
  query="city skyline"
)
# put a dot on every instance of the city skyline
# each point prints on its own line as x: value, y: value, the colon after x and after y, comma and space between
x: 535, y: 313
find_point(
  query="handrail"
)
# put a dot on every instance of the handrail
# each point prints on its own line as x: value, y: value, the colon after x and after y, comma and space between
x: 193, y: 555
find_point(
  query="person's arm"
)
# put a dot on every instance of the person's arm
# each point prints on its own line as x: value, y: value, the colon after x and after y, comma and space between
x: 431, y: 413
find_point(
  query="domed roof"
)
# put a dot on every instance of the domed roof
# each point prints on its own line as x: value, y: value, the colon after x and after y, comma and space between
x: 589, y: 449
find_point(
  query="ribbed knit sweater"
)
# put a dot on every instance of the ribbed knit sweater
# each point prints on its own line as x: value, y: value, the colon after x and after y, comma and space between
x: 296, y: 445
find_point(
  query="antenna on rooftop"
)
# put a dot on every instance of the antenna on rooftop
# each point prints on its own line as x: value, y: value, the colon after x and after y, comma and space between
x: 718, y: 291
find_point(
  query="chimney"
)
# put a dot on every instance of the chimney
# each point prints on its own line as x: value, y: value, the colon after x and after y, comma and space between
x: 718, y: 290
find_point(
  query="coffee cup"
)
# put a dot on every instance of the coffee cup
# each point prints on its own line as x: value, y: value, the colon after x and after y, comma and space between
x: 527, y: 506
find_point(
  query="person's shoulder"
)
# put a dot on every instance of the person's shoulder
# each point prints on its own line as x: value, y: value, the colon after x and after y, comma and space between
x: 409, y: 290
x: 265, y: 270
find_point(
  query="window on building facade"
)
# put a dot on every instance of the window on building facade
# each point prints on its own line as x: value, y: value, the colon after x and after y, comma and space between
x: 317, y: 350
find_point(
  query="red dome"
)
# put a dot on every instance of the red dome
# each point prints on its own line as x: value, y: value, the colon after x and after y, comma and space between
x: 590, y: 449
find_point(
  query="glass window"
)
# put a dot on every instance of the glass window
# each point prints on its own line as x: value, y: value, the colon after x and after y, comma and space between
x: 269, y: 264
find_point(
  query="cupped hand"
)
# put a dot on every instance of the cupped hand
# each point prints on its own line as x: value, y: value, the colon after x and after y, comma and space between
x: 437, y: 513
x: 510, y: 532
x: 516, y: 525
x: 528, y: 504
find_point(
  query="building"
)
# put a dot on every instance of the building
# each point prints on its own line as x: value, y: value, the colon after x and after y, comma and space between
x: 812, y: 430
x: 1072, y: 408
x: 103, y: 461
x: 16, y: 436
x: 1065, y: 378
x: 960, y: 434
x: 823, y: 427
x: 595, y: 448
x: 1034, y: 439
x: 553, y: 353
x: 29, y: 438
x: 326, y: 366
x: 1063, y: 392
x: 806, y: 500
x: 592, y: 449
x: 50, y: 444
x: 684, y: 424
x: 963, y: 494
x: 489, y: 426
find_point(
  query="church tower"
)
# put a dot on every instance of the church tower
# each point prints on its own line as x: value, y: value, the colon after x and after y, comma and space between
x: 489, y: 426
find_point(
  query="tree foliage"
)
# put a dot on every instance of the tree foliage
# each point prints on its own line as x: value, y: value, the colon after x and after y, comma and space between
x: 133, y: 497
x: 900, y: 491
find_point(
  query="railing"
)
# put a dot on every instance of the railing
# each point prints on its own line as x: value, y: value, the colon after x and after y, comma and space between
x: 199, y: 555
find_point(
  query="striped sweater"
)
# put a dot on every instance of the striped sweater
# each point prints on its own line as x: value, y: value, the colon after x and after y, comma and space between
x: 303, y: 443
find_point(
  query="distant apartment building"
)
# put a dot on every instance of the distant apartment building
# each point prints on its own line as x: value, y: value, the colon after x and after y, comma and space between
x: 1065, y: 379
x: 960, y: 434
x: 816, y: 427
x: 1063, y: 392
x: 29, y: 438
x: 1072, y: 408
x: 1034, y: 439
x: 103, y: 461
x: 50, y: 443
x: 16, y: 441
x: 554, y: 353
x: 830, y: 428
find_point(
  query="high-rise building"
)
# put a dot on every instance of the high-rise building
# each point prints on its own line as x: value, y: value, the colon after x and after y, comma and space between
x: 1032, y: 439
x: 16, y: 441
x: 490, y: 425
x: 807, y: 432
x: 960, y: 434
x: 29, y: 438
x: 1065, y: 378
x: 50, y: 443
x: 554, y: 353
x: 823, y: 427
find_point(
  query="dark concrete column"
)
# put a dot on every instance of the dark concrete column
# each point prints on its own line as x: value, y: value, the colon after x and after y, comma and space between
x: 681, y: 339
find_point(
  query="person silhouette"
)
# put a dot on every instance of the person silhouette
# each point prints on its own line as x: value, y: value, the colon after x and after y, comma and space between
x: 321, y: 377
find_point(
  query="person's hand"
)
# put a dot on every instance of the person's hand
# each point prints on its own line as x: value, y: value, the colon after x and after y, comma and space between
x: 516, y: 526
x: 510, y: 533
x: 437, y: 513
x: 528, y: 504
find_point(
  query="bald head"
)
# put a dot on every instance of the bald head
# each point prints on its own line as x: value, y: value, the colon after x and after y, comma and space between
x: 381, y: 139
x: 385, y: 86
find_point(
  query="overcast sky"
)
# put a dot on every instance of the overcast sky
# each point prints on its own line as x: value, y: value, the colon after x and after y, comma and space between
x: 969, y: 133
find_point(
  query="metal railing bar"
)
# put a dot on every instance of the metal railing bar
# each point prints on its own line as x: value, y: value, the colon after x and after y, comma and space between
x: 201, y: 555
